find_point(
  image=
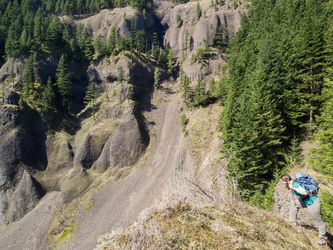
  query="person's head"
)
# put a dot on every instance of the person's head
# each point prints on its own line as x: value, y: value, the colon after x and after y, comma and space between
x: 285, y: 178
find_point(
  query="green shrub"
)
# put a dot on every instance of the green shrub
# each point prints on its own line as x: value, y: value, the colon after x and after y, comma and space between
x: 179, y: 21
x: 327, y: 208
x: 184, y: 121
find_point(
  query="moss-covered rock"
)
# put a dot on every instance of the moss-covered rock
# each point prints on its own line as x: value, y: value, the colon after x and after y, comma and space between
x: 75, y: 184
x: 126, y: 144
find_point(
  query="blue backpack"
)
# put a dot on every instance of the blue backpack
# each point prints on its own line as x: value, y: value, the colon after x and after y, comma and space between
x: 307, y: 182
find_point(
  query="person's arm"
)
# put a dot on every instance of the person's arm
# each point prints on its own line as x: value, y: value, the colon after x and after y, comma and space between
x: 299, y: 190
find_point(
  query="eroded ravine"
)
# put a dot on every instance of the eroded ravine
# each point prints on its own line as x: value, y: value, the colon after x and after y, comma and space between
x: 118, y: 204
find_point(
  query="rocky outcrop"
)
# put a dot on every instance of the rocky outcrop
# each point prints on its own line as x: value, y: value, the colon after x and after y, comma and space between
x: 282, y: 198
x: 25, y: 198
x: 136, y: 72
x: 13, y: 67
x: 198, y: 30
x: 21, y: 143
x: 126, y: 144
x: 22, y: 147
x: 10, y: 97
x: 91, y: 147
x: 120, y: 18
x: 75, y: 184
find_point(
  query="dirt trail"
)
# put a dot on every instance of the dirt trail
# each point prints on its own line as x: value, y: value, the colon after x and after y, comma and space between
x: 118, y: 204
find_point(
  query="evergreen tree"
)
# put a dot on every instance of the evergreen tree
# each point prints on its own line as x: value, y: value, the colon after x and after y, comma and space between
x: 293, y: 158
x: 112, y: 40
x: 121, y: 73
x: 53, y: 37
x: 91, y: 92
x: 199, y: 11
x: 221, y: 38
x: 91, y: 95
x: 322, y: 156
x: 200, y: 92
x: 99, y: 46
x: 27, y: 78
x: 24, y: 42
x: 63, y: 82
x: 252, y: 130
x: 49, y: 97
x: 187, y: 90
x: 170, y: 63
x: 38, y: 29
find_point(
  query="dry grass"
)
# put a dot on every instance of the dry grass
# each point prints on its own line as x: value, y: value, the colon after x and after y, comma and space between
x: 176, y: 223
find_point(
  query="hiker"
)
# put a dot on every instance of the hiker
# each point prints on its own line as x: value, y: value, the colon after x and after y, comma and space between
x: 313, y: 203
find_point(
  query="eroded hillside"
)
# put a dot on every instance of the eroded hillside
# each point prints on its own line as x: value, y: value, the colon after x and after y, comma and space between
x: 69, y: 178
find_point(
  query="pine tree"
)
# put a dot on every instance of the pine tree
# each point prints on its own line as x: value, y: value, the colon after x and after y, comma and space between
x: 269, y: 126
x: 63, y: 82
x: 140, y: 41
x: 49, y: 97
x: 121, y: 73
x: 27, y: 78
x: 38, y: 29
x: 112, y: 40
x: 252, y: 130
x: 322, y: 156
x: 170, y: 63
x: 24, y: 42
x: 221, y: 38
x: 293, y: 158
x: 99, y: 46
x: 187, y: 90
x: 91, y: 95
x: 53, y: 37
x: 199, y: 11
x: 200, y: 92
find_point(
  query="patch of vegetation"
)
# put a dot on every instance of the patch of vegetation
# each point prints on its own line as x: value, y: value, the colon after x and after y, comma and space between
x: 89, y: 205
x: 179, y: 21
x: 67, y: 233
x: 202, y: 53
x: 327, y: 208
x: 185, y: 226
x: 184, y: 121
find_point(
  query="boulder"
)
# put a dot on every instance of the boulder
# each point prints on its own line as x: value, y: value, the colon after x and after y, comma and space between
x: 25, y: 198
x: 10, y: 97
x: 90, y: 148
x: 75, y: 184
x: 22, y: 147
x: 125, y: 146
x: 282, y: 198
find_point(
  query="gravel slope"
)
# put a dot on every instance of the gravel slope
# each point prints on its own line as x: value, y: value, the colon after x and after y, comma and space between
x: 30, y: 232
x: 118, y: 204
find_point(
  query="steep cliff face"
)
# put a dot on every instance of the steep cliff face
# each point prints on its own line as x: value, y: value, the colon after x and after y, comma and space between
x: 200, y: 29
